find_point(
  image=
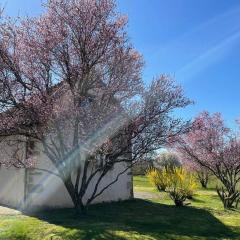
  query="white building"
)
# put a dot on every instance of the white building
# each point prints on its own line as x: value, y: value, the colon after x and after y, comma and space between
x: 37, y: 188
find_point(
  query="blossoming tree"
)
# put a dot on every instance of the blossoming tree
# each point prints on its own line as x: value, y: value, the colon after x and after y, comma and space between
x: 202, y: 173
x: 213, y: 146
x: 71, y: 80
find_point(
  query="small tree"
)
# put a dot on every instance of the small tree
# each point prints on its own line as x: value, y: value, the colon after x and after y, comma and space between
x: 210, y: 144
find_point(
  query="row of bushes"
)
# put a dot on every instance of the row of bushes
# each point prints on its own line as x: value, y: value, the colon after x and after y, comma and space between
x: 177, y: 181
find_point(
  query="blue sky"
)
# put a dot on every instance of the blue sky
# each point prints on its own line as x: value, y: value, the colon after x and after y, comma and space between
x: 197, y: 42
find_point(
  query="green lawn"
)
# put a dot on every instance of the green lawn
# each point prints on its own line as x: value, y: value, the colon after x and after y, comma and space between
x: 153, y: 217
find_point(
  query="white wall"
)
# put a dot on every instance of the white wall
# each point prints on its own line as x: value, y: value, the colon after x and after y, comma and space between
x: 11, y: 179
x: 51, y: 192
x: 11, y: 187
x: 48, y: 191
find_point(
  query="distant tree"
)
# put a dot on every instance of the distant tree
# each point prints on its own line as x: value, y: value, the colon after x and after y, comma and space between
x: 203, y: 176
x: 210, y: 144
x: 202, y: 173
x: 167, y: 160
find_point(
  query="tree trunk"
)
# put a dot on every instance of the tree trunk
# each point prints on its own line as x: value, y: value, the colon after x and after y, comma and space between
x: 75, y: 197
x: 178, y: 203
x: 80, y: 207
x: 228, y: 197
x: 204, y: 183
x: 203, y: 178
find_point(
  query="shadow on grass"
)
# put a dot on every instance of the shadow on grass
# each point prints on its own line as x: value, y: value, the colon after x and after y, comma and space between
x: 139, y: 217
x: 197, y: 200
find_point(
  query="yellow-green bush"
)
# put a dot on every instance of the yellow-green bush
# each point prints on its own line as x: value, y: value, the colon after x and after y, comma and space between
x: 158, y: 178
x: 179, y: 183
x: 182, y: 185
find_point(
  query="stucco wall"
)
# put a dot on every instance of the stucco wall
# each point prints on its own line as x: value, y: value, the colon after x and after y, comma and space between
x: 12, y: 187
x: 11, y: 179
x: 48, y: 191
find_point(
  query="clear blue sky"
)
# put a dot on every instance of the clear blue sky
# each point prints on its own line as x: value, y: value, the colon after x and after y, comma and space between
x: 197, y: 42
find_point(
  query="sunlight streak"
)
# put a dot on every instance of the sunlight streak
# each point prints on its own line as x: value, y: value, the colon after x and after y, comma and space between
x: 208, y: 58
x: 90, y: 144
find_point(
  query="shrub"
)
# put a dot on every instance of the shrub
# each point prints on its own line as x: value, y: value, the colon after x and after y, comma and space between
x: 181, y: 185
x: 158, y: 178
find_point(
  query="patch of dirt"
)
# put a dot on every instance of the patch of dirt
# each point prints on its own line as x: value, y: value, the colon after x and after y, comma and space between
x: 147, y: 195
x: 8, y: 211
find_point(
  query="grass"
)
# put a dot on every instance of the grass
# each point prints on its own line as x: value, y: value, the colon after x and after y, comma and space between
x: 154, y: 217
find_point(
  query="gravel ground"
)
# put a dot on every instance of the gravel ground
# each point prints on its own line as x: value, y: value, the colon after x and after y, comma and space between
x: 8, y: 211
x: 147, y: 195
